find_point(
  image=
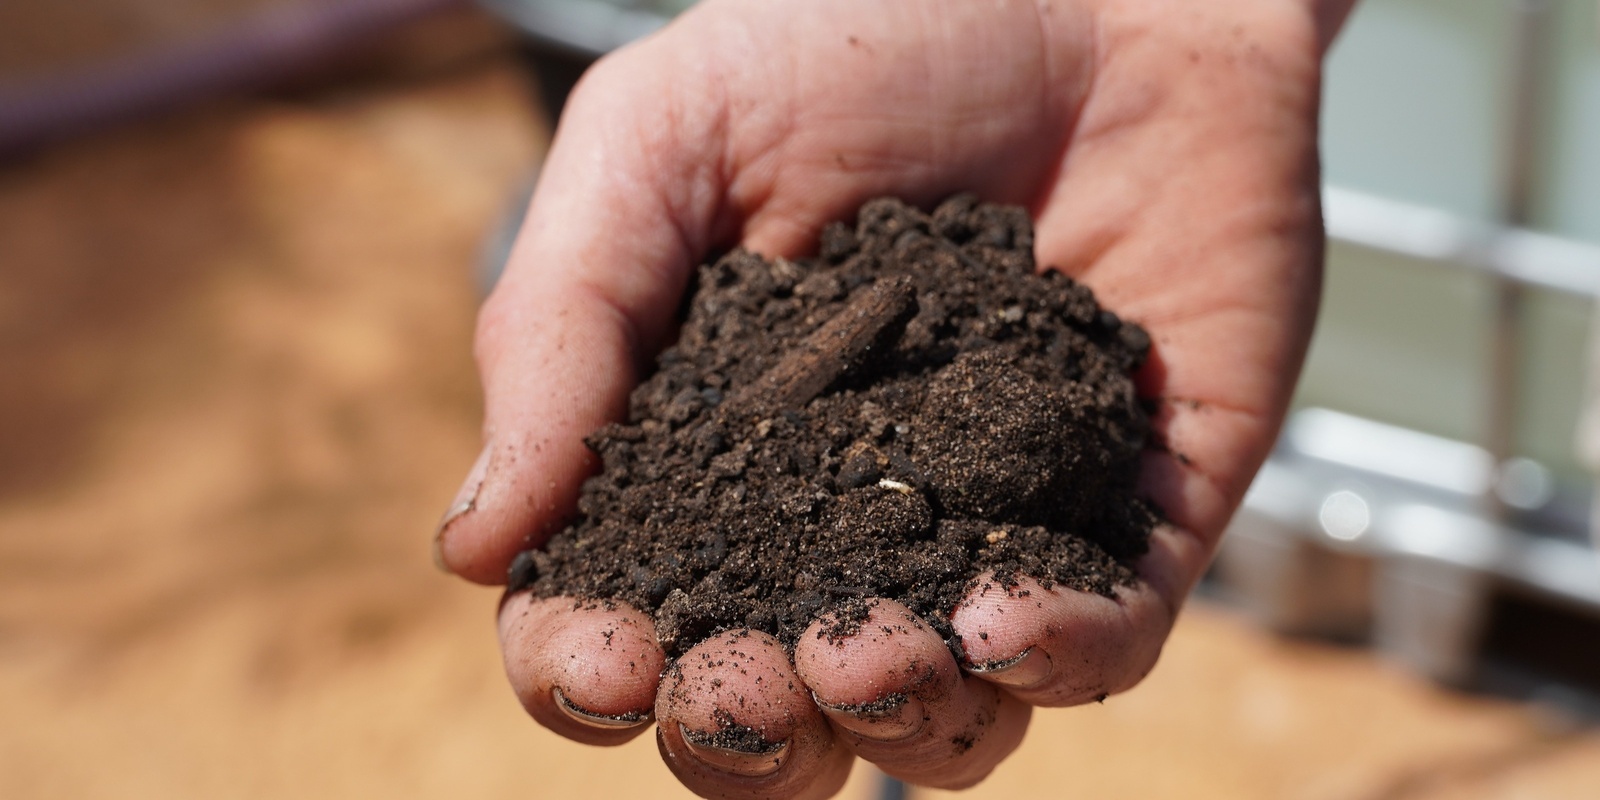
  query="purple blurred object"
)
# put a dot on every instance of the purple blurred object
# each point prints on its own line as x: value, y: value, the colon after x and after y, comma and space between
x: 256, y: 49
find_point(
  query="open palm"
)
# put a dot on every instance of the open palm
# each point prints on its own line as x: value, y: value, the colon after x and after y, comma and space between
x: 1167, y: 152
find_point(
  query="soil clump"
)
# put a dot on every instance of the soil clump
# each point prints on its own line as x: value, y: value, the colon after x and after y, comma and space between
x: 913, y: 408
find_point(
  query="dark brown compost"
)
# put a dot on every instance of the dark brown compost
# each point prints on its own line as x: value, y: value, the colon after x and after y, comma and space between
x: 915, y: 406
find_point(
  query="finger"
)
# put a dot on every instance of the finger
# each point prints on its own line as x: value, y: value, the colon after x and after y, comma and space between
x: 734, y: 720
x: 897, y: 698
x: 586, y: 672
x: 1060, y: 647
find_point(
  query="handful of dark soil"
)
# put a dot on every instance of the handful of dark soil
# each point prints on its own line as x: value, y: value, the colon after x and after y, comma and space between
x: 910, y: 409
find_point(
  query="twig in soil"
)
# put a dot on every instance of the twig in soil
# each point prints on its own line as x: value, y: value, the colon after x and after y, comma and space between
x: 871, y: 322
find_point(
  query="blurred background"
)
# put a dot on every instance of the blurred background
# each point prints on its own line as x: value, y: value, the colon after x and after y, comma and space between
x: 241, y: 247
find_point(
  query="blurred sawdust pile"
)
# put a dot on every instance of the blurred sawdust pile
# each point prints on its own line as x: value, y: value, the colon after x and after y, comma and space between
x: 239, y: 391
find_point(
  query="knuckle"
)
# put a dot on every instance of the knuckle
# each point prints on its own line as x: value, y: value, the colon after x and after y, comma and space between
x: 615, y: 78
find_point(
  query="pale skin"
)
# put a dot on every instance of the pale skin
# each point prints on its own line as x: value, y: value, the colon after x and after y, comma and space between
x: 1167, y: 151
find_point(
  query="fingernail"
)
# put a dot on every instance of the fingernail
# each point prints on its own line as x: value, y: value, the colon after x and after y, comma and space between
x: 1029, y: 669
x: 466, y: 500
x: 605, y: 722
x: 739, y: 751
x: 888, y: 719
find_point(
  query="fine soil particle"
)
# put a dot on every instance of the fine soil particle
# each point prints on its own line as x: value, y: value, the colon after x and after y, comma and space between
x: 731, y: 735
x: 915, y: 406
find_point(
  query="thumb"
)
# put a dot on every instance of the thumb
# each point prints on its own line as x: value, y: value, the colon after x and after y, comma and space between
x: 587, y: 296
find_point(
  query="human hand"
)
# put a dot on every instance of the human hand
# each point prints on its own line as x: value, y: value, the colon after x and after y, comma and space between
x: 1168, y: 153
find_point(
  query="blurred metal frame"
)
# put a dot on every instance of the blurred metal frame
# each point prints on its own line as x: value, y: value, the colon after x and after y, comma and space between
x: 1358, y: 528
x: 1426, y: 234
x: 1431, y: 525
